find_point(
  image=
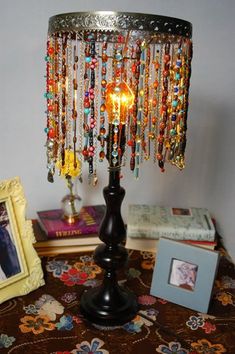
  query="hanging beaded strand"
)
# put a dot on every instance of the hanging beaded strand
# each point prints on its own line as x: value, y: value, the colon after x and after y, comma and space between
x: 58, y: 88
x: 110, y: 77
x: 64, y: 99
x: 96, y: 114
x: 136, y: 53
x: 122, y: 67
x: 116, y: 120
x: 75, y: 96
x: 139, y: 111
x: 175, y: 77
x: 150, y: 132
x: 124, y: 127
x: 164, y: 109
x: 55, y: 81
x: 102, y: 132
x: 146, y: 111
x: 69, y: 107
x: 86, y: 103
x: 92, y: 109
x: 141, y: 139
x: 50, y: 129
x: 156, y: 68
x: 187, y: 56
x: 80, y: 103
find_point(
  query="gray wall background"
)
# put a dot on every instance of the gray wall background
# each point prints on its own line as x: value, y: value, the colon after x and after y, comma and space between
x: 207, y: 181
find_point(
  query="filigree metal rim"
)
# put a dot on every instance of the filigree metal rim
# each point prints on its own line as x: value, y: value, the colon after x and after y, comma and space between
x: 118, y: 21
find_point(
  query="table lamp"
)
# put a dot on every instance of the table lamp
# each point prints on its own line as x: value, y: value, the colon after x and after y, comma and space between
x: 116, y: 82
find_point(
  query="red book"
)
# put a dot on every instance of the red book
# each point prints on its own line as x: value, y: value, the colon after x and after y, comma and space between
x: 52, y: 223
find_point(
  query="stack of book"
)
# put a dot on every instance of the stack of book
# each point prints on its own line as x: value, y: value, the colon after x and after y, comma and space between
x: 146, y: 224
x: 54, y: 236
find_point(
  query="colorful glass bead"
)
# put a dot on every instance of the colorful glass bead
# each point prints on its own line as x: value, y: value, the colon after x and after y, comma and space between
x: 114, y: 153
x: 87, y: 110
x: 51, y: 50
x: 50, y: 108
x: 51, y: 133
x: 102, y: 154
x: 177, y: 76
x: 159, y: 156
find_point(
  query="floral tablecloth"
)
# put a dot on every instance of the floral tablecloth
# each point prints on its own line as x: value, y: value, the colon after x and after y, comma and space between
x: 48, y: 320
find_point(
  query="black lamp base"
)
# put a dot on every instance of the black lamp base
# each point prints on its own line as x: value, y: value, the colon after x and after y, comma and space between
x: 120, y: 308
x: 110, y: 304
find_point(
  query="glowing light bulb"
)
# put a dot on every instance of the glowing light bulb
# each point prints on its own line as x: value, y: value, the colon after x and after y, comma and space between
x: 119, y: 99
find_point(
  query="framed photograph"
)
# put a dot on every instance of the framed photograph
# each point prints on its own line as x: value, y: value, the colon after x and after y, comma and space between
x: 181, y: 212
x: 20, y: 266
x: 184, y: 274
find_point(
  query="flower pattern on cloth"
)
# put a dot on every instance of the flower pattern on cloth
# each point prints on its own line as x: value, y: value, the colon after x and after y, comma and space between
x: 48, y: 306
x: 46, y: 317
x: 31, y: 309
x: 150, y: 313
x: 74, y: 277
x: 65, y: 323
x: 146, y: 300
x: 134, y: 273
x: 148, y: 264
x: 90, y: 348
x: 203, y: 346
x: 6, y: 341
x: 93, y: 283
x: 226, y: 282
x: 86, y: 259
x: 148, y: 255
x: 209, y: 327
x: 77, y: 320
x: 162, y: 301
x: 194, y: 322
x: 172, y: 348
x: 37, y: 324
x: 57, y: 267
x: 148, y: 260
x: 89, y: 268
x: 69, y: 297
x: 225, y: 298
x: 205, y: 316
x: 135, y: 325
x: 82, y: 272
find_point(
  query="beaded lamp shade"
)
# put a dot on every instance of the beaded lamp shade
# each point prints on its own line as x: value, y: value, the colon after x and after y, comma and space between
x: 116, y: 82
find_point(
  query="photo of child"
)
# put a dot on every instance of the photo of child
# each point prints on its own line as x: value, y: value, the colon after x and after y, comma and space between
x: 183, y: 274
x: 9, y: 261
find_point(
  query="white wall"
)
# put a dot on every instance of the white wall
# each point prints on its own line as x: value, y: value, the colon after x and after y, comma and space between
x: 208, y: 179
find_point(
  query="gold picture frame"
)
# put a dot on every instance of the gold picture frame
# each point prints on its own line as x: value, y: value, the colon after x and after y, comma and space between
x: 20, y: 266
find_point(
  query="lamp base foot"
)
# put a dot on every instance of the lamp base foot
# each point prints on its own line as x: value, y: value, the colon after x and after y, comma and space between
x: 104, y: 310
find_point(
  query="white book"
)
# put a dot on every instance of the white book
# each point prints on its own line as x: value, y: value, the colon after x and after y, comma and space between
x: 153, y: 222
x: 150, y: 245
